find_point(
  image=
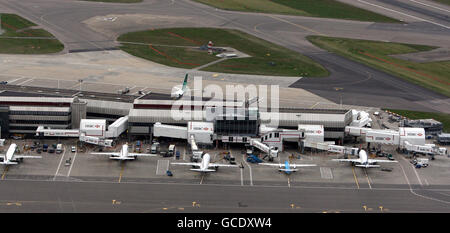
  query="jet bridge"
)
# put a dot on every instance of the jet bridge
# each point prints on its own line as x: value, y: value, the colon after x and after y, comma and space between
x: 409, y: 139
x: 92, y: 131
x: 269, y: 150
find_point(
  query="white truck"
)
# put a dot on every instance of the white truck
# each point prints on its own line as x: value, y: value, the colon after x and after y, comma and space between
x: 171, y: 151
x: 59, y: 148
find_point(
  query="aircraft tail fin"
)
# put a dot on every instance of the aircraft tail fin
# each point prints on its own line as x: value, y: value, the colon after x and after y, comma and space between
x: 185, y: 82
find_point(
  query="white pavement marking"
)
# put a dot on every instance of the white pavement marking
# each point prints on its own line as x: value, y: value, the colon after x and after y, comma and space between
x: 315, y: 105
x: 242, y: 170
x: 414, y: 193
x: 71, y: 165
x: 184, y: 154
x: 367, y: 177
x: 227, y: 185
x: 242, y: 177
x: 325, y: 173
x: 250, y: 169
x: 162, y: 166
x: 289, y: 182
x: 428, y: 5
x: 414, y: 17
x: 25, y: 81
x: 414, y: 169
x: 201, y: 180
x: 14, y: 80
x: 60, y: 161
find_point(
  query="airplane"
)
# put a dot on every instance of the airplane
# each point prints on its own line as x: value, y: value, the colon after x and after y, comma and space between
x: 286, y: 167
x: 177, y: 92
x: 205, y: 165
x: 11, y: 159
x: 364, y: 161
x: 123, y: 154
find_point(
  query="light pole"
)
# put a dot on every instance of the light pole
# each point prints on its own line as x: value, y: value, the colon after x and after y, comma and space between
x: 340, y: 95
x: 80, y: 81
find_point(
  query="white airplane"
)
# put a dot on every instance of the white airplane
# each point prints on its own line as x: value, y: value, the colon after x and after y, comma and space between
x: 179, y: 92
x: 286, y: 167
x: 10, y: 158
x: 123, y: 154
x: 205, y: 165
x: 364, y: 161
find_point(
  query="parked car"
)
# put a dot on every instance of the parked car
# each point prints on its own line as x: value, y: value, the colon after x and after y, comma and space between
x: 45, y: 147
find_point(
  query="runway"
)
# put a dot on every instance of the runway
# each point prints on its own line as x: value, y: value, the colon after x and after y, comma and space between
x: 60, y: 196
x: 67, y: 21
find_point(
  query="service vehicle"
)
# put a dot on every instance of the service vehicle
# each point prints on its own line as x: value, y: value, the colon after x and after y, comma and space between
x: 155, y: 148
x: 171, y: 150
x: 59, y: 148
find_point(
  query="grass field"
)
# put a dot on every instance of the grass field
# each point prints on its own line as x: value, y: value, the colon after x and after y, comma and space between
x: 115, y: 1
x: 431, y: 75
x: 266, y: 58
x: 442, y: 117
x: 313, y: 8
x: 16, y: 26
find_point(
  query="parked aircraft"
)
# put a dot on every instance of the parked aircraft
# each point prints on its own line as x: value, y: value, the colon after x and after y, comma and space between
x: 123, y: 154
x: 10, y: 158
x: 179, y: 92
x: 364, y: 161
x: 286, y: 167
x: 205, y: 165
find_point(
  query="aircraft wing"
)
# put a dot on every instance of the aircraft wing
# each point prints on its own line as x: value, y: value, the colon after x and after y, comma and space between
x: 302, y: 165
x: 138, y: 154
x: 347, y: 160
x: 221, y: 165
x: 121, y: 158
x: 187, y: 164
x: 106, y: 153
x: 273, y: 164
x: 381, y: 161
x: 27, y: 157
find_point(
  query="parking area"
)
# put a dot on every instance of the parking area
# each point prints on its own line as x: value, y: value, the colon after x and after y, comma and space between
x: 83, y: 166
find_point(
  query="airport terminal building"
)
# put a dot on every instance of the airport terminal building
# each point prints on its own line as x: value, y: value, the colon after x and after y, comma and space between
x: 23, y: 112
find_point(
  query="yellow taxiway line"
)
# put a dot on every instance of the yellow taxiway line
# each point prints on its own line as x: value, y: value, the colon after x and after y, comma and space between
x: 4, y: 173
x: 354, y: 175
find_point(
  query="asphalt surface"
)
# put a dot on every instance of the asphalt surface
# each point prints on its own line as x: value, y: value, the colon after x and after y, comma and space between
x: 59, y: 196
x: 65, y: 20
